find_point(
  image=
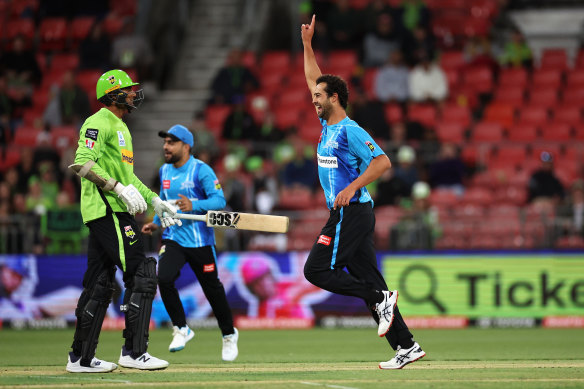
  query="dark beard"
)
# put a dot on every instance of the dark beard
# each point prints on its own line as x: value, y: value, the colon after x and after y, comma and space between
x: 173, y: 158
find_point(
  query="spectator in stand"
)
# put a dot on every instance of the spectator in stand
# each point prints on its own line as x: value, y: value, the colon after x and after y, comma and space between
x: 414, y: 13
x: 381, y: 42
x: 406, y: 169
x: 544, y: 186
x: 132, y: 51
x: 415, y: 42
x: 70, y: 106
x: 427, y: 81
x: 448, y: 171
x: 342, y: 26
x: 239, y: 124
x: 372, y: 12
x: 369, y: 114
x: 264, y: 188
x: 391, y: 81
x: 20, y: 65
x: 390, y: 189
x: 233, y: 81
x: 516, y: 53
x: 301, y: 171
x: 477, y: 52
x: 571, y: 212
x: 93, y: 48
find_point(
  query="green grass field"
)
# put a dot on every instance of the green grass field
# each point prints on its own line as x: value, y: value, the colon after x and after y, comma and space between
x: 342, y: 359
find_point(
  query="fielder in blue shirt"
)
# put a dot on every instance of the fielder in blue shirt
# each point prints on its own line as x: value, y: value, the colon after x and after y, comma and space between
x: 193, y: 187
x: 348, y: 160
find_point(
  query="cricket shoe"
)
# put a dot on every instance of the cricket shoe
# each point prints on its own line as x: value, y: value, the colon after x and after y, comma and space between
x: 143, y: 362
x: 229, y: 352
x: 385, y: 311
x: 96, y: 365
x: 403, y: 356
x: 180, y: 337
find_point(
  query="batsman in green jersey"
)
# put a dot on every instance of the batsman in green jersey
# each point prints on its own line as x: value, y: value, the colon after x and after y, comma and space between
x: 111, y: 195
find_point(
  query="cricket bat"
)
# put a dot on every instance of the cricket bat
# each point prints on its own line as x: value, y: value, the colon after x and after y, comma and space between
x: 241, y: 221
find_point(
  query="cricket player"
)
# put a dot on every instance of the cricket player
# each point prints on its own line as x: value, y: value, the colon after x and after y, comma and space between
x: 110, y: 195
x: 193, y: 186
x: 348, y: 160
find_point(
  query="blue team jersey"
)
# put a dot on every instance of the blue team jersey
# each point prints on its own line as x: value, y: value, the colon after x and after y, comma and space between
x: 197, y: 181
x: 344, y: 152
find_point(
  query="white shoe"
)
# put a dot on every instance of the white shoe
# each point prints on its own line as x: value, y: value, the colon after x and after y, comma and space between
x: 403, y: 357
x: 229, y: 352
x: 143, y: 362
x: 96, y: 365
x: 385, y: 311
x: 180, y: 338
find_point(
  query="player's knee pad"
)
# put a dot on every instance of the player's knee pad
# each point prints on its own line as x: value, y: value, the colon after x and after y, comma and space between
x: 92, y: 313
x: 138, y: 305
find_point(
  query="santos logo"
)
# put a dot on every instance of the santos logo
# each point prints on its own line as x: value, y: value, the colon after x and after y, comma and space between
x: 330, y: 162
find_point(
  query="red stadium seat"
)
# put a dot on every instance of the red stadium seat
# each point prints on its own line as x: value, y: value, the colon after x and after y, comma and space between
x: 487, y: 132
x: 534, y: 115
x: 112, y: 25
x: 346, y: 59
x: 554, y: 59
x: 571, y: 115
x: 286, y: 117
x: 522, y: 132
x: 477, y: 196
x: 575, y: 78
x: 294, y: 97
x: 452, y: 60
x: 276, y: 60
x: 64, y: 137
x: 87, y: 79
x: 65, y: 61
x: 53, y: 34
x: 547, y: 78
x: 443, y: 197
x: 500, y: 113
x: 543, y: 97
x: 393, y: 113
x: 215, y: 116
x: 556, y: 131
x: 16, y: 27
x: 80, y: 28
x: 513, y: 154
x: 453, y: 113
x: 26, y: 137
x: 422, y: 113
x: 453, y: 78
x: 450, y: 132
x: 479, y: 78
x: 513, y: 77
x: 369, y: 83
x: 510, y: 95
x: 484, y: 9
x: 11, y: 158
x: 573, y: 95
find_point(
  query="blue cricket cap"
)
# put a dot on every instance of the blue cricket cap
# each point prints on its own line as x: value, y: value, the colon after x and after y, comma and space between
x: 178, y: 132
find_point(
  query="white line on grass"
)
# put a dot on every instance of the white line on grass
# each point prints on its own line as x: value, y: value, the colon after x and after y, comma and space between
x: 326, y: 385
x: 82, y: 379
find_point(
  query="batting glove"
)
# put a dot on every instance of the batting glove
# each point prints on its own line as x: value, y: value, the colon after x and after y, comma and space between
x: 131, y: 197
x: 166, y: 212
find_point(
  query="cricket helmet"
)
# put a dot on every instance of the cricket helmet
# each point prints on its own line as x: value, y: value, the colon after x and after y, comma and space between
x: 109, y: 89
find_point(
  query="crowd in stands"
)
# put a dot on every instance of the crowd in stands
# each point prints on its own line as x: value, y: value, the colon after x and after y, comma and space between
x: 481, y: 136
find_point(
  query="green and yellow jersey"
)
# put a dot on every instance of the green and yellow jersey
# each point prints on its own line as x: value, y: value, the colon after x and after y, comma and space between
x: 105, y: 139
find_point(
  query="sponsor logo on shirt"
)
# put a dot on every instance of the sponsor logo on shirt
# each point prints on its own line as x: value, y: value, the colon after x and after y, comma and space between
x: 333, y: 144
x: 127, y: 156
x: 209, y: 268
x: 217, y: 184
x: 187, y: 185
x: 325, y: 240
x: 370, y: 145
x: 129, y: 232
x: 121, y: 140
x: 162, y: 250
x: 165, y: 184
x: 91, y: 133
x: 330, y: 162
x: 89, y: 144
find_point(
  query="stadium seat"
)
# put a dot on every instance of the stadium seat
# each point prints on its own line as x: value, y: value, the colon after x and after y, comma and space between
x: 454, y: 113
x: 570, y: 242
x: 123, y: 7
x: 500, y: 113
x: 422, y: 113
x: 368, y: 83
x: 443, y: 197
x: 510, y: 195
x: 522, y: 132
x: 547, y: 78
x: 215, y: 116
x: 64, y: 137
x: 31, y: 116
x: 568, y: 114
x: 452, y: 60
x: 479, y: 78
x: 554, y: 59
x: 65, y: 61
x: 393, y: 113
x: 19, y: 27
x: 510, y: 95
x: 25, y: 137
x: 484, y: 9
x: 477, y: 196
x: 112, y: 25
x: 309, y: 130
x: 533, y: 115
x: 87, y: 79
x: 450, y: 132
x: 573, y: 95
x: 53, y: 34
x: 80, y: 28
x: 513, y: 77
x: 11, y: 158
x: 276, y: 60
x: 487, y: 132
x: 575, y: 78
x: 543, y: 97
x: 343, y: 59
x: 453, y: 78
x: 556, y: 132
x: 272, y: 81
x: 510, y: 154
x: 286, y: 117
x: 297, y: 198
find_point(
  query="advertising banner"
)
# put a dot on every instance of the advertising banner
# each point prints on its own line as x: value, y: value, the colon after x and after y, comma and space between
x: 473, y: 286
